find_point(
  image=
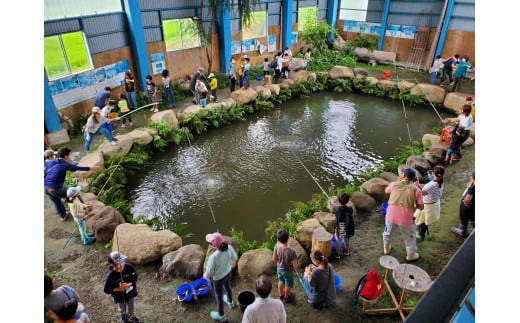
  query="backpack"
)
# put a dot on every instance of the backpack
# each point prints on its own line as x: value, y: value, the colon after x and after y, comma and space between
x: 274, y: 63
x: 370, y: 286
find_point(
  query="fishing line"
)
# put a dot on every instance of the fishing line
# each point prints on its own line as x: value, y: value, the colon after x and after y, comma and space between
x: 432, y: 105
x: 213, y: 214
x: 404, y: 109
x: 313, y: 178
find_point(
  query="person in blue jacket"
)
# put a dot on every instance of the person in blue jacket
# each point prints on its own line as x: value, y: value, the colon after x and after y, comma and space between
x: 54, y: 179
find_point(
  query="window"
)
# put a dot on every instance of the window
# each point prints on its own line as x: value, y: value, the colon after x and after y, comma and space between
x: 58, y: 9
x: 181, y: 34
x: 353, y: 10
x: 307, y: 17
x: 258, y: 27
x: 66, y: 54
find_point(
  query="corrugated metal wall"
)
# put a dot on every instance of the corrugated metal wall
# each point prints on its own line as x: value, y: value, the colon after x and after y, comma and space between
x: 463, y: 15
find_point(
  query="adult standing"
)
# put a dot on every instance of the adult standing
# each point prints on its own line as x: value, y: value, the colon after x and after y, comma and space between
x: 432, y: 192
x: 460, y: 72
x: 63, y: 303
x: 405, y: 196
x: 218, y: 272
x: 319, y: 278
x: 447, y: 69
x: 97, y: 124
x: 130, y: 89
x: 193, y: 83
x: 466, y: 208
x: 168, y: 91
x: 437, y: 65
x: 55, y: 172
x: 232, y: 74
x: 264, y: 309
x: 102, y: 97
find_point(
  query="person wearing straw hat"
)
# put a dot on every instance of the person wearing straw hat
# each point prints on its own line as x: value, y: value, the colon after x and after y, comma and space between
x: 48, y: 155
x: 79, y: 214
x: 121, y: 283
x: 218, y: 272
x: 264, y: 308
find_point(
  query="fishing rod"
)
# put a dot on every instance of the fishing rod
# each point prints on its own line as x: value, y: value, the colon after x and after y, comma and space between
x: 305, y: 288
x: 313, y: 178
x: 428, y: 98
x: 213, y: 214
x: 135, y: 110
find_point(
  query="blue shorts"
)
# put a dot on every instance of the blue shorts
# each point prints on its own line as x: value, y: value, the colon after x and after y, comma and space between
x: 285, y: 278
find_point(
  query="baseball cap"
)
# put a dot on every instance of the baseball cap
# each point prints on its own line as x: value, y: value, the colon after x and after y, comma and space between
x: 215, y: 239
x: 96, y: 110
x: 48, y: 153
x: 116, y: 258
x: 73, y: 191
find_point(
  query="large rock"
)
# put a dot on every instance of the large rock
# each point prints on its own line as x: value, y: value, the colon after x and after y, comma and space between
x: 299, y: 76
x: 454, y: 101
x: 286, y: 82
x: 140, y: 136
x: 244, y: 96
x: 405, y: 85
x: 433, y: 141
x: 383, y: 57
x: 362, y: 54
x: 274, y: 88
x: 124, y: 144
x: 263, y: 91
x: 256, y: 262
x: 434, y: 155
x: 363, y: 201
x: 302, y: 256
x: 102, y: 221
x: 338, y: 43
x: 93, y: 159
x: 418, y: 162
x: 326, y: 219
x: 359, y: 71
x: 185, y: 262
x: 388, y: 176
x: 142, y: 245
x: 304, y: 232
x: 372, y: 80
x: 376, y: 188
x: 296, y: 64
x: 341, y: 72
x: 433, y: 93
x: 168, y: 116
x: 385, y: 84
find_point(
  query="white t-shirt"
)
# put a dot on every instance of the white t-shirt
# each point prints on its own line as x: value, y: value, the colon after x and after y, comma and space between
x: 93, y: 127
x: 265, y: 310
x: 434, y: 192
x: 465, y: 122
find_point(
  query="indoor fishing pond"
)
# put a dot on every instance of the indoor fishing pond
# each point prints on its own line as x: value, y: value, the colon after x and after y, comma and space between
x: 242, y: 174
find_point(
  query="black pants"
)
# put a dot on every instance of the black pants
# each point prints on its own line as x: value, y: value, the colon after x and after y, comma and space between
x: 233, y: 81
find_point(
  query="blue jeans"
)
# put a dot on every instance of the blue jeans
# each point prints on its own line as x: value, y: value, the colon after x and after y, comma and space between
x: 56, y: 198
x: 169, y: 97
x: 433, y: 76
x: 103, y: 130
x: 132, y: 99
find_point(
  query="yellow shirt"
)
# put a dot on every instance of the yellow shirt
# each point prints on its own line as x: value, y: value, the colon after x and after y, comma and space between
x: 213, y: 83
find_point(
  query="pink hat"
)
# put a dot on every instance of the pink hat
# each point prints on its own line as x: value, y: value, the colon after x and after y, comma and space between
x: 215, y: 239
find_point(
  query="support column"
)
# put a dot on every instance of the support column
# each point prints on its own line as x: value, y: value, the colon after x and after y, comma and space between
x: 138, y: 42
x: 444, y: 29
x: 287, y: 6
x: 224, y: 38
x: 56, y: 133
x: 332, y: 15
x: 384, y: 19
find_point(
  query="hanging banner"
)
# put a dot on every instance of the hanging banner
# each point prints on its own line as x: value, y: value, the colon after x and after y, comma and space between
x: 271, y: 43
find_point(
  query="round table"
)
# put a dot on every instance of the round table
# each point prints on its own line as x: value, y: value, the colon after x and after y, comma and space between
x: 411, y: 278
x: 389, y: 263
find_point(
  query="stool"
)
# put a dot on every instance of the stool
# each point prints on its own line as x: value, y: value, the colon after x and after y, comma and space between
x: 388, y: 262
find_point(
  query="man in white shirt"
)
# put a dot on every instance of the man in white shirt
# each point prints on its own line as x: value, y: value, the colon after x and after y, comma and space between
x: 264, y: 309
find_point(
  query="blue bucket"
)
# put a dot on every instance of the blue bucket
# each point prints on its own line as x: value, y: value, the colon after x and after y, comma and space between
x: 333, y: 239
x: 258, y: 77
x: 383, y: 208
x: 184, y: 293
x: 200, y: 287
x: 337, y: 282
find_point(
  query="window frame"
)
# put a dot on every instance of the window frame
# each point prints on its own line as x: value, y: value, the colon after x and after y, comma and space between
x: 64, y: 55
x: 353, y: 7
x: 301, y: 24
x: 179, y: 21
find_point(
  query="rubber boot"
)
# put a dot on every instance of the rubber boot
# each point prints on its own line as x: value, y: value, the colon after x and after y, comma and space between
x: 124, y: 318
x: 386, y: 247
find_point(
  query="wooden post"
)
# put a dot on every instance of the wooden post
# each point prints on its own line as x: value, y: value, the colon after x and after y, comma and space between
x: 322, y: 240
x: 267, y: 79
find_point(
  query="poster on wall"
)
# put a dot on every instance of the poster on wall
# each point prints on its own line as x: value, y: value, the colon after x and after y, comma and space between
x: 158, y: 62
x: 393, y: 31
x: 374, y: 29
x: 408, y: 32
x: 248, y: 45
x: 260, y: 47
x: 271, y: 43
x: 235, y: 47
x: 85, y: 85
x: 351, y: 26
x: 294, y: 37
